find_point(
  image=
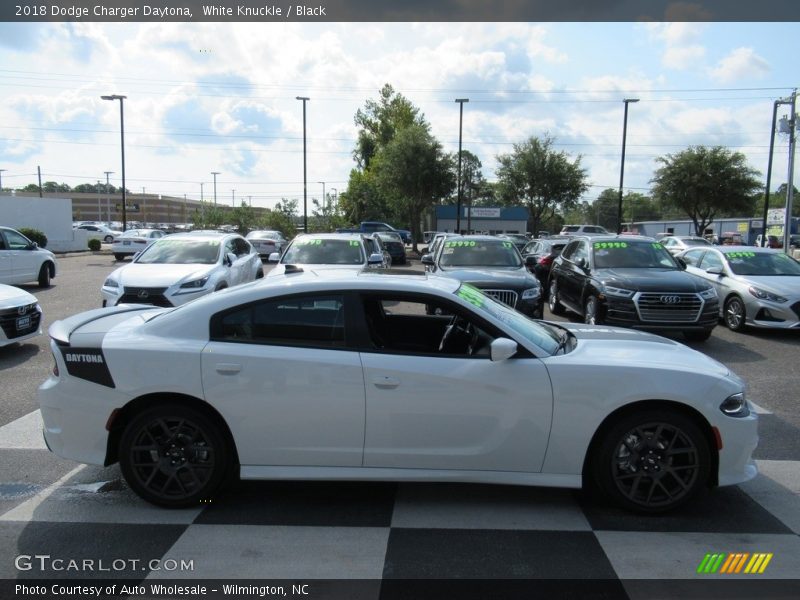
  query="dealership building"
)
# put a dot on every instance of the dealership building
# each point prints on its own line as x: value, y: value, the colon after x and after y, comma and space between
x: 482, y: 219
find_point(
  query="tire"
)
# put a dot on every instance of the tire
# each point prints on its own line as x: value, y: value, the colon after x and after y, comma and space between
x: 591, y: 310
x: 119, y: 257
x: 637, y: 467
x: 734, y: 314
x: 553, y: 302
x: 108, y: 239
x: 173, y: 456
x: 44, y: 275
x: 697, y: 336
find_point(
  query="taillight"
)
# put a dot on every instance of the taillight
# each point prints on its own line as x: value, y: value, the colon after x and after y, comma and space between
x: 55, y: 366
x: 546, y: 260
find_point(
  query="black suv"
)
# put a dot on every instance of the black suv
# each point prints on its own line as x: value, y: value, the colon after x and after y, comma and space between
x: 631, y: 281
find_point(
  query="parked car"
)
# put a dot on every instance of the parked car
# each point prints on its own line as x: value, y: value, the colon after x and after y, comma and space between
x: 100, y: 232
x: 22, y: 261
x: 378, y: 226
x: 492, y: 264
x: 329, y: 376
x: 133, y: 241
x: 181, y: 267
x: 675, y: 244
x: 634, y: 282
x: 520, y: 240
x: 757, y: 287
x: 394, y: 245
x: 587, y: 230
x: 20, y: 315
x: 266, y: 242
x: 543, y: 252
x: 321, y: 251
x: 773, y: 241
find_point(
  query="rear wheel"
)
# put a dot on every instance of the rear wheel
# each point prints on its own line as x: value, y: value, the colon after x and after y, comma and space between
x: 553, y: 301
x: 119, y: 257
x: 44, y: 275
x: 734, y: 314
x: 173, y: 456
x: 652, y: 461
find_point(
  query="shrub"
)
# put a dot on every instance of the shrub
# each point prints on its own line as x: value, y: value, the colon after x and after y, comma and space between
x: 34, y: 235
x: 94, y: 244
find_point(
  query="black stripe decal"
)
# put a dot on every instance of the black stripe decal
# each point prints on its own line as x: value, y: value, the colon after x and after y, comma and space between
x: 88, y: 364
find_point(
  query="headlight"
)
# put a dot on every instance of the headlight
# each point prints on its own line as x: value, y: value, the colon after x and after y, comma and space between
x: 196, y: 284
x: 735, y: 406
x: 110, y: 283
x: 762, y: 295
x: 618, y: 292
x: 708, y: 294
x: 531, y: 293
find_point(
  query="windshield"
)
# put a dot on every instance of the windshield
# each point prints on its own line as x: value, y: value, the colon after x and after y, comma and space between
x: 632, y: 255
x: 180, y: 252
x: 387, y: 236
x: 263, y: 235
x: 542, y: 336
x: 324, y: 251
x: 762, y: 263
x: 479, y: 253
x: 695, y: 242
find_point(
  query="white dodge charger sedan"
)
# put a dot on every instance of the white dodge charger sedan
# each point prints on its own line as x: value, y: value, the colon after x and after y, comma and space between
x: 181, y: 267
x: 339, y: 376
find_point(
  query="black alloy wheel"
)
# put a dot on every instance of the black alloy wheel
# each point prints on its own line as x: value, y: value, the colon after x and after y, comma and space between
x: 591, y: 311
x: 173, y: 456
x: 734, y: 314
x: 653, y: 461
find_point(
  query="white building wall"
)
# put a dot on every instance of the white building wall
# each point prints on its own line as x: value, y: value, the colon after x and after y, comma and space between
x: 51, y: 216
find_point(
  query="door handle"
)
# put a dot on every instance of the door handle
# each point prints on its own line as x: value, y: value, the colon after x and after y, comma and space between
x: 385, y: 383
x: 228, y: 368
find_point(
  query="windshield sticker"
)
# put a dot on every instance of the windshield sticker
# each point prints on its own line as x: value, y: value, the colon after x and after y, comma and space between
x: 609, y: 245
x: 354, y: 242
x: 740, y: 254
x: 448, y: 250
x: 507, y: 244
x: 657, y: 246
x: 459, y: 244
x: 471, y: 294
x: 308, y: 242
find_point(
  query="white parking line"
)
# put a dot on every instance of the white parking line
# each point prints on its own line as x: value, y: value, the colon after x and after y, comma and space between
x: 759, y: 409
x: 23, y: 434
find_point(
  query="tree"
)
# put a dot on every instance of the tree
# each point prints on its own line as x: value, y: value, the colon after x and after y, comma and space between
x: 540, y: 178
x: 52, y: 186
x: 703, y: 182
x: 208, y: 217
x: 413, y: 170
x: 363, y: 200
x: 244, y: 218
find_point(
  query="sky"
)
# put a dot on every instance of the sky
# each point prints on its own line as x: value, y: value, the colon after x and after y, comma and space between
x: 205, y: 97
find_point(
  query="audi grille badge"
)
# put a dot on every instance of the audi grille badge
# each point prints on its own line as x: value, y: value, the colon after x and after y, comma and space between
x: 670, y: 299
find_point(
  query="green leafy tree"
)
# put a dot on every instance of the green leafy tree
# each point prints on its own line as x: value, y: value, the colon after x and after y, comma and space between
x: 705, y: 182
x: 243, y: 217
x: 413, y: 170
x: 638, y: 207
x: 326, y: 215
x: 538, y: 177
x: 363, y: 200
x: 31, y: 187
x: 54, y: 187
x: 208, y: 217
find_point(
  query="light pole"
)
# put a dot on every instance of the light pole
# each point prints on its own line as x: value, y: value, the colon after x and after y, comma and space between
x: 460, y: 123
x: 305, y: 183
x: 1, y: 179
x: 323, y: 193
x: 215, y: 173
x: 622, y: 164
x: 789, y: 127
x: 233, y: 199
x: 122, y: 146
x: 108, y: 200
x: 335, y: 199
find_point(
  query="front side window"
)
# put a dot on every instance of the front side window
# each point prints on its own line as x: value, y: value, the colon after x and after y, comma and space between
x: 16, y: 241
x: 315, y: 321
x: 693, y: 257
x: 711, y: 259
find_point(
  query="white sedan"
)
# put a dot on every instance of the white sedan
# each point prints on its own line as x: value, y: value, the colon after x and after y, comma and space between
x: 20, y: 315
x: 133, y: 241
x: 340, y: 377
x: 182, y: 267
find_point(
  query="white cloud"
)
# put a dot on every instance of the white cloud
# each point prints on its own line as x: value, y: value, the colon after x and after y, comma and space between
x: 682, y: 57
x: 741, y: 63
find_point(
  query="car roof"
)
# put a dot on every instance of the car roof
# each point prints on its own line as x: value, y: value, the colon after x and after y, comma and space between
x: 199, y: 236
x: 332, y: 236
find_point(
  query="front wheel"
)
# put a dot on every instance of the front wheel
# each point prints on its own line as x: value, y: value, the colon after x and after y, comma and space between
x: 108, y: 239
x: 734, y: 314
x: 173, y: 456
x: 591, y: 311
x: 44, y: 275
x: 553, y: 301
x: 652, y: 461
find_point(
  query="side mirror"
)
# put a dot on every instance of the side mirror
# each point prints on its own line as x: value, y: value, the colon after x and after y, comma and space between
x: 375, y: 259
x: 33, y: 246
x: 502, y: 349
x: 581, y: 262
x: 230, y: 258
x: 274, y: 257
x: 427, y: 259
x: 715, y: 270
x: 530, y: 261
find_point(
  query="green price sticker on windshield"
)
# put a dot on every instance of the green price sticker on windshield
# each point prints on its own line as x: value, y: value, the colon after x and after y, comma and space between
x: 740, y: 254
x: 609, y: 245
x: 507, y: 245
x: 471, y: 294
x: 657, y: 246
x: 354, y: 243
x: 460, y: 244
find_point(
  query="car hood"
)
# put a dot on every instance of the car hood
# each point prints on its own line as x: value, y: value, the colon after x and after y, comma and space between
x: 651, y: 280
x: 638, y: 348
x: 12, y: 297
x: 781, y: 285
x: 513, y: 277
x: 157, y: 275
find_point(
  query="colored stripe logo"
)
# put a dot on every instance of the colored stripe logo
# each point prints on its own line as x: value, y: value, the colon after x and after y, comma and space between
x: 734, y: 563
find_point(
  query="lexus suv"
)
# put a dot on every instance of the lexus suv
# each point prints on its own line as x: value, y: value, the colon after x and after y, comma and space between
x: 631, y: 281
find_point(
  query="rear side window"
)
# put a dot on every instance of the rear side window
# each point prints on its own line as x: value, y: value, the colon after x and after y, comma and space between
x: 315, y: 321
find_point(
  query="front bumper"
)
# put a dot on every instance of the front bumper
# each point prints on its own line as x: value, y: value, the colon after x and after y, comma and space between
x: 773, y: 315
x: 739, y: 439
x: 622, y: 312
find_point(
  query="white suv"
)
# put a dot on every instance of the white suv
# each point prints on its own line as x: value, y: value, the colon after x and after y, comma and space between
x: 21, y: 260
x: 583, y: 230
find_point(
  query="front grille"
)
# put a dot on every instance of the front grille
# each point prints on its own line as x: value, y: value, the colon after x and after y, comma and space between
x: 508, y: 297
x: 8, y: 321
x: 667, y: 307
x: 796, y: 309
x: 145, y: 295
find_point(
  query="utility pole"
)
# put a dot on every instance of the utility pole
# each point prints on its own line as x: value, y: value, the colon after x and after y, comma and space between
x: 460, y: 123
x: 215, y: 173
x: 622, y: 163
x: 1, y: 179
x: 789, y: 127
x: 108, y: 199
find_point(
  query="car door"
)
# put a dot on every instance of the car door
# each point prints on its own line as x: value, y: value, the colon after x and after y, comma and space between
x: 710, y: 259
x: 291, y: 390
x: 427, y: 409
x: 573, y: 276
x: 5, y: 260
x: 25, y: 262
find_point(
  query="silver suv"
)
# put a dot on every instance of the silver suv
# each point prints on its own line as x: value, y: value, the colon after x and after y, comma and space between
x: 587, y: 230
